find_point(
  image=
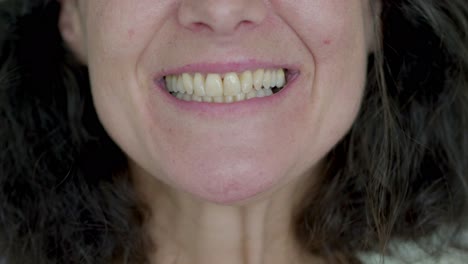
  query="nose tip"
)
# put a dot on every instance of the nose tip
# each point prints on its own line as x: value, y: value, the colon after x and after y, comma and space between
x: 221, y: 16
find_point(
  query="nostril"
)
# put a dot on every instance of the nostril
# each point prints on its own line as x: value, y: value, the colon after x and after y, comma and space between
x: 245, y: 23
x: 200, y: 27
x: 221, y: 16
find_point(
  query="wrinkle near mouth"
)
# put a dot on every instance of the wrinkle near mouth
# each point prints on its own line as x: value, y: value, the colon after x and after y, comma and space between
x: 226, y: 88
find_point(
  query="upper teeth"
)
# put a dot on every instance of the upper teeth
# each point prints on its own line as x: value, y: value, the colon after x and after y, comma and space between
x: 229, y: 87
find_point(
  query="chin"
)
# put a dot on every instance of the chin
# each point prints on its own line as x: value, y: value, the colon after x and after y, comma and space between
x: 227, y: 184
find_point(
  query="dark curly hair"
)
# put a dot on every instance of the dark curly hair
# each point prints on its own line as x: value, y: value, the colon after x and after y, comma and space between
x: 400, y: 172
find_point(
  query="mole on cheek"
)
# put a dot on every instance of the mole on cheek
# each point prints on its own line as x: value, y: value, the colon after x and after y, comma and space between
x: 327, y: 42
x: 131, y: 32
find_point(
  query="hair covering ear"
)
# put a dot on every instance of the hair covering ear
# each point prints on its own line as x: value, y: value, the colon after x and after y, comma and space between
x: 374, y: 25
x: 71, y: 29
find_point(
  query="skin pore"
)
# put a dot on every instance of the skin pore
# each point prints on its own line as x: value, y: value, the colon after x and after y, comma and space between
x: 222, y: 180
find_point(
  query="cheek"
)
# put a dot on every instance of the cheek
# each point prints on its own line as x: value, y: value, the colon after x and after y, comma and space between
x: 334, y: 33
x: 122, y: 29
x: 117, y: 33
x: 325, y: 26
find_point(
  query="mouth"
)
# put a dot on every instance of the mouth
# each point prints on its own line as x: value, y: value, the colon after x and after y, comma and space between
x: 226, y: 88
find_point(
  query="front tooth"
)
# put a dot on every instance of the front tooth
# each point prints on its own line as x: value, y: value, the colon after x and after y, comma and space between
x: 273, y: 79
x: 232, y: 84
x: 251, y: 94
x: 197, y: 98
x: 180, y: 85
x: 267, y: 79
x: 280, y: 78
x: 213, y: 85
x: 240, y: 97
x: 258, y: 79
x: 199, y: 84
x: 228, y: 99
x: 261, y: 93
x: 218, y: 99
x: 188, y: 83
x: 187, y: 97
x: 268, y: 92
x: 246, y: 82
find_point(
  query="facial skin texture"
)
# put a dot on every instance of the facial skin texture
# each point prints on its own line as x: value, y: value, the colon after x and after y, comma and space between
x: 227, y: 161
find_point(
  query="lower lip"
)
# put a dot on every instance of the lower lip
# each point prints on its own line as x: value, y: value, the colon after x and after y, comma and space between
x: 235, y: 109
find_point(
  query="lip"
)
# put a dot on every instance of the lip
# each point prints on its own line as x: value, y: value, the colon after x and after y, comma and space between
x: 226, y: 110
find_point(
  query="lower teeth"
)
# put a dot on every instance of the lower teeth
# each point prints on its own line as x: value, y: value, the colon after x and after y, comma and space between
x: 227, y: 99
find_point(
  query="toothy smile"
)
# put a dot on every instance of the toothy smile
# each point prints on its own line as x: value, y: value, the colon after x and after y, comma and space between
x: 226, y: 88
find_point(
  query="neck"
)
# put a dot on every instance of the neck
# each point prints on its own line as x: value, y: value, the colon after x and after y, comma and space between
x: 186, y: 230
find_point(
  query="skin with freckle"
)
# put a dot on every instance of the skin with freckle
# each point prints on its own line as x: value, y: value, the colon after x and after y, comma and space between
x: 131, y: 33
x: 225, y: 158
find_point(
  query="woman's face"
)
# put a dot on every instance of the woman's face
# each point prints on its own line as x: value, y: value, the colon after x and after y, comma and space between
x: 223, y: 152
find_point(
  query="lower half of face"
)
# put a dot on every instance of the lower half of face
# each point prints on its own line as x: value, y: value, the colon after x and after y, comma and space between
x: 228, y: 113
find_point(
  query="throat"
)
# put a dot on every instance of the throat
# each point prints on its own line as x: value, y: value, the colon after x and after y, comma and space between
x: 188, y: 230
x: 217, y: 234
